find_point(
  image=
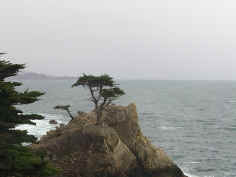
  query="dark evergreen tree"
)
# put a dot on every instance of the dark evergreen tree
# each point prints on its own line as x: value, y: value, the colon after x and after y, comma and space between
x: 103, y: 90
x: 15, y: 159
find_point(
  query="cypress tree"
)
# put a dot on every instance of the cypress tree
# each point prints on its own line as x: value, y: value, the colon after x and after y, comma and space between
x: 17, y: 160
x: 103, y: 91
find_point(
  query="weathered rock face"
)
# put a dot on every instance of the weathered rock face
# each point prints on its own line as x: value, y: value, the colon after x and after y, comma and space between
x: 118, y: 148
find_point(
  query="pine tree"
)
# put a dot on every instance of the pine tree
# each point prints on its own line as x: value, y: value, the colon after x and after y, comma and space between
x: 16, y: 159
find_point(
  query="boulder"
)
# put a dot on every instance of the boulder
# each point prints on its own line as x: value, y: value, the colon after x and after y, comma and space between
x: 118, y: 148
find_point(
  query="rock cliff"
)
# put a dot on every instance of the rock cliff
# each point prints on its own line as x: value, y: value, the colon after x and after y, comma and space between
x: 116, y: 149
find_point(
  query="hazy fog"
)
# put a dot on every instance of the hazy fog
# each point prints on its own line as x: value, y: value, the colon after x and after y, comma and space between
x: 147, y: 39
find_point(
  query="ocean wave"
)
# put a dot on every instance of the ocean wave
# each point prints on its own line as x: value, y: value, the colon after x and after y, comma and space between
x: 192, y: 162
x: 168, y: 128
x: 190, y: 175
x: 147, y: 113
x: 42, y: 126
x: 230, y: 101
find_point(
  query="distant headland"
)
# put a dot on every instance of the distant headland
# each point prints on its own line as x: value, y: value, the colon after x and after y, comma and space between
x: 40, y: 76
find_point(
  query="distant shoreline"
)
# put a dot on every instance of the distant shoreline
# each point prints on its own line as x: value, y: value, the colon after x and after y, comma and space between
x: 39, y: 76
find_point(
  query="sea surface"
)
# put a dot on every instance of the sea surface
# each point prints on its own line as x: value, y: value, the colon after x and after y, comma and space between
x: 193, y: 121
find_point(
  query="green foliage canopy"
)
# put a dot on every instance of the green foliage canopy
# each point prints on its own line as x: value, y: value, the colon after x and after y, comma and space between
x: 17, y: 160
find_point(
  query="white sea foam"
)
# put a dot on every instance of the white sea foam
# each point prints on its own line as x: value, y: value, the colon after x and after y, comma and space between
x: 190, y: 175
x: 42, y: 126
x: 192, y: 162
x: 168, y: 128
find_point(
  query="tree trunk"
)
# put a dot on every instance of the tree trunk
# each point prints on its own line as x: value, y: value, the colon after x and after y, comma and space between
x: 99, y: 115
x: 68, y: 111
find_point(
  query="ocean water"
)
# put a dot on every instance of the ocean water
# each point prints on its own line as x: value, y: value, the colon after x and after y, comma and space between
x: 193, y: 121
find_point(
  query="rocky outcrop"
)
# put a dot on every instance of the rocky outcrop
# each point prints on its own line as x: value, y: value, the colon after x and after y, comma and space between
x: 117, y: 148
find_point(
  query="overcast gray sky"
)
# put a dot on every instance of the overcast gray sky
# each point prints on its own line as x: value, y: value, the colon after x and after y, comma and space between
x: 147, y: 39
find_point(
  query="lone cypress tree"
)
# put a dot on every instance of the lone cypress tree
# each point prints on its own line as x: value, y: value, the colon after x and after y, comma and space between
x: 103, y: 91
x: 16, y: 159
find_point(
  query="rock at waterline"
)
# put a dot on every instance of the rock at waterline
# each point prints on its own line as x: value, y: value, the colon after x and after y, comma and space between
x: 53, y: 122
x: 119, y: 148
